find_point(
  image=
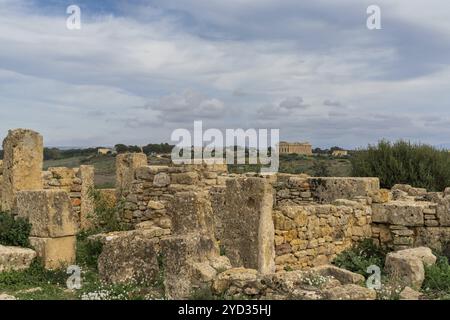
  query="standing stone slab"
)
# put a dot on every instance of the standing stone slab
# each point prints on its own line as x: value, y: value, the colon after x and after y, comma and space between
x: 55, y: 252
x: 50, y: 213
x: 191, y: 212
x: 246, y: 230
x: 22, y: 165
x: 126, y: 165
x: 181, y: 255
x: 87, y: 203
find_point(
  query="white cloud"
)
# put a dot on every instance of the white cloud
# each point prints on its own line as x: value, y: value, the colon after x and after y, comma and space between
x: 246, y: 64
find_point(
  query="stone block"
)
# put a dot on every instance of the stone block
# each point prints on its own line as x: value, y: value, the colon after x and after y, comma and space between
x: 55, y: 252
x: 161, y: 179
x: 190, y: 178
x: 181, y: 255
x: 246, y: 226
x: 22, y: 165
x: 15, y: 258
x: 408, y: 265
x: 328, y: 189
x: 129, y: 256
x: 191, y: 212
x: 404, y: 213
x: 50, y: 213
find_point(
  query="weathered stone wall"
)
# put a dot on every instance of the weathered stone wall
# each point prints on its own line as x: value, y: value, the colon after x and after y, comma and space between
x: 22, y: 165
x: 76, y: 182
x: 302, y: 189
x: 312, y: 235
x: 293, y: 189
x: 155, y: 186
x: 413, y: 218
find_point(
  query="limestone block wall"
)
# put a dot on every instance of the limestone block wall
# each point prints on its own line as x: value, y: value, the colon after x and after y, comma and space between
x: 153, y: 187
x: 76, y: 182
x: 302, y: 189
x: 413, y: 218
x: 312, y: 235
x: 292, y: 189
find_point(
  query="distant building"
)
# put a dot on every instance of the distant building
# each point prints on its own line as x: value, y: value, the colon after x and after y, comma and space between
x: 339, y: 153
x: 295, y: 147
x: 105, y: 151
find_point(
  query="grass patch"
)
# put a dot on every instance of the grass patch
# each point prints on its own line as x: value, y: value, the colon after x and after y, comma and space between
x: 360, y: 256
x: 437, y: 279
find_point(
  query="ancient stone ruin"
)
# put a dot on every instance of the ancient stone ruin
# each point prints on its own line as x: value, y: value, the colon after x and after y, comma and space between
x: 201, y: 227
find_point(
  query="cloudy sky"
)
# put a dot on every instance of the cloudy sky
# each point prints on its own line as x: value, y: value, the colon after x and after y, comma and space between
x: 139, y: 69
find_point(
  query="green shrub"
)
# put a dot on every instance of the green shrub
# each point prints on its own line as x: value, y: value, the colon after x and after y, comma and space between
x: 360, y: 256
x: 14, y: 232
x: 437, y: 277
x: 403, y: 162
x: 320, y: 169
x: 88, y: 251
x: 36, y: 275
x: 106, y: 216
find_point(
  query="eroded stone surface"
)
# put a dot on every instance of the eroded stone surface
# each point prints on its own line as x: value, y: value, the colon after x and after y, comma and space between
x: 15, y: 258
x: 22, y: 165
x: 50, y: 213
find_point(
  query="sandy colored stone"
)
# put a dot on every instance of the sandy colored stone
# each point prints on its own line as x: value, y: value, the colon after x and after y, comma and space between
x: 350, y: 292
x: 129, y: 256
x: 50, y: 213
x: 328, y: 189
x: 15, y: 258
x: 410, y: 294
x: 22, y: 165
x: 408, y: 265
x: 181, y: 255
x: 86, y: 174
x: 161, y: 179
x: 344, y: 276
x: 55, y: 252
x: 405, y: 213
x: 126, y: 166
x: 191, y: 212
x: 244, y: 223
x: 4, y: 297
x: 236, y: 276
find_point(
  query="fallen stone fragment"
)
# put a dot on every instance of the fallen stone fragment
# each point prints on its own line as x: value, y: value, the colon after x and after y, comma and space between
x: 15, y: 258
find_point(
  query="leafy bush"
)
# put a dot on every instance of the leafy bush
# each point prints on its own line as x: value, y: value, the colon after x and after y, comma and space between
x: 437, y: 277
x: 14, y: 232
x: 88, y: 251
x: 403, y: 162
x: 106, y: 217
x: 320, y: 169
x: 360, y: 256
